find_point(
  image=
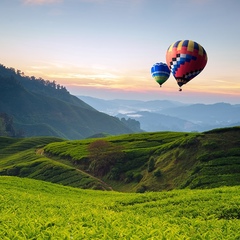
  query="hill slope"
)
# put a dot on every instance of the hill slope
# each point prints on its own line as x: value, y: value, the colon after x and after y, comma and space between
x: 21, y: 157
x: 130, y: 163
x: 163, y: 115
x: 43, y: 108
x: 165, y: 160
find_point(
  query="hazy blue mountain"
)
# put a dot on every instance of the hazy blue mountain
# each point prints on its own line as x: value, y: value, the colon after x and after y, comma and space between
x: 161, y: 115
x: 122, y: 106
x: 212, y: 114
x: 152, y: 122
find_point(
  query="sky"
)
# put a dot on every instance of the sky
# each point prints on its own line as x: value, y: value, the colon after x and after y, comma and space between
x: 106, y: 48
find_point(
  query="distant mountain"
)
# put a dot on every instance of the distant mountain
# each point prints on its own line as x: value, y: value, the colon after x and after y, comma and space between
x: 43, y: 108
x: 122, y: 106
x: 152, y: 122
x: 163, y: 115
x: 212, y: 114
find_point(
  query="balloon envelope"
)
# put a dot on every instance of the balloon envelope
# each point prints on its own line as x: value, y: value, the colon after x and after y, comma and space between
x: 160, y: 72
x: 186, y: 59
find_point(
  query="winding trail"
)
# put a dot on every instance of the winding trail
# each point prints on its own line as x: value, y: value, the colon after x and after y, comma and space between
x: 40, y: 151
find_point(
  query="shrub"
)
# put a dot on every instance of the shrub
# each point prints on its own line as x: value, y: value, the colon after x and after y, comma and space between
x: 141, y: 189
x: 14, y: 171
x: 103, y: 155
x: 231, y: 212
x: 129, y: 177
x: 151, y: 164
x: 157, y: 173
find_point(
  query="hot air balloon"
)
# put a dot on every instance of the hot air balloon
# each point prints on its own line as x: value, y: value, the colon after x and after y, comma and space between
x: 160, y: 72
x: 186, y: 59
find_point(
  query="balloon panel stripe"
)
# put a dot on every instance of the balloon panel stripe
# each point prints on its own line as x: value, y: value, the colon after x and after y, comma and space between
x: 185, y: 43
x: 190, y: 46
x: 180, y: 45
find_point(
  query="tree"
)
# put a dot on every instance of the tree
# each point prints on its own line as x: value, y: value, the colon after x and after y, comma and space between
x: 7, y: 127
x: 103, y: 155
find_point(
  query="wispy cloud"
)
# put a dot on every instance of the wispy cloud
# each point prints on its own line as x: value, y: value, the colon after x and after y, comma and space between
x: 40, y: 2
x: 200, y: 2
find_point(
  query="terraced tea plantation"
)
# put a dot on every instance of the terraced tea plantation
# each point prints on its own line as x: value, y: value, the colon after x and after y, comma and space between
x: 33, y: 209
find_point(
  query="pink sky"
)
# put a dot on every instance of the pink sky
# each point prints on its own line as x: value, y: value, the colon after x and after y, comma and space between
x: 105, y: 48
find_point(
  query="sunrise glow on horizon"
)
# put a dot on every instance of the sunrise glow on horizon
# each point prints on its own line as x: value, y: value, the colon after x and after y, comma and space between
x: 94, y: 50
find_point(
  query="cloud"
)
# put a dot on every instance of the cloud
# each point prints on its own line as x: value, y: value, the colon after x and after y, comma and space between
x: 200, y: 2
x: 40, y: 2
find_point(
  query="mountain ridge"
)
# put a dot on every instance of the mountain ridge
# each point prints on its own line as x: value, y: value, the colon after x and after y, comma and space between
x: 43, y: 108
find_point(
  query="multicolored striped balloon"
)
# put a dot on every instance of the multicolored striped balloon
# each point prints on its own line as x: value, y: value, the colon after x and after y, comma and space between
x: 160, y: 72
x: 186, y: 59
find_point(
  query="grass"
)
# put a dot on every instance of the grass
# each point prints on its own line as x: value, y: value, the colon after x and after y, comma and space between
x: 31, y: 209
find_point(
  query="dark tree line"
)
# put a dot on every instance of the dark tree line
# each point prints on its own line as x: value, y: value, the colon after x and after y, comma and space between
x: 32, y: 83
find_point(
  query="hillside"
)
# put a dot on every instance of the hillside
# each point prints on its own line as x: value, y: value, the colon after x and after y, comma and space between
x: 22, y: 157
x: 44, y: 108
x: 33, y: 209
x: 129, y: 163
x: 164, y: 160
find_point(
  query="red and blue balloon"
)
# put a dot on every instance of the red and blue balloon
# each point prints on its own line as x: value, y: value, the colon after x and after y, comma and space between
x: 186, y: 59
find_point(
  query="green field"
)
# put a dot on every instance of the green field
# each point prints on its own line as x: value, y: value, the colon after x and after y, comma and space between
x: 33, y: 209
